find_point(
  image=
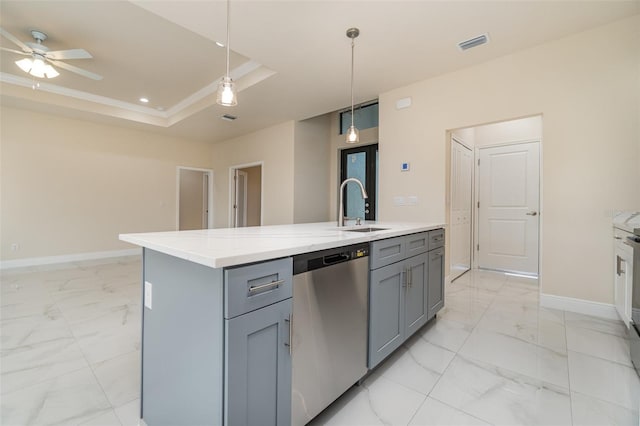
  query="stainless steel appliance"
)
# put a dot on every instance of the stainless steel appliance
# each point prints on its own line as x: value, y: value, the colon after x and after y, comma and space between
x: 329, y: 327
x: 634, y: 242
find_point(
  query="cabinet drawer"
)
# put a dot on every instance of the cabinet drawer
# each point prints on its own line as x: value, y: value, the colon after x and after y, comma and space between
x: 436, y: 239
x: 416, y: 244
x: 253, y: 286
x: 386, y: 252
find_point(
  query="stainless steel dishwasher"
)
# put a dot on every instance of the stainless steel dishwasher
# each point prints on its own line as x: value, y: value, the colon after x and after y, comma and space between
x: 328, y: 326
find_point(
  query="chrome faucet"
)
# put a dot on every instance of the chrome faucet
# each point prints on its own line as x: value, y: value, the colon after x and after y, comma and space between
x: 341, y: 217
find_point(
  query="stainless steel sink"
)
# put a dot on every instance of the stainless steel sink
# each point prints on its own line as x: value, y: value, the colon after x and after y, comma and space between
x: 364, y: 229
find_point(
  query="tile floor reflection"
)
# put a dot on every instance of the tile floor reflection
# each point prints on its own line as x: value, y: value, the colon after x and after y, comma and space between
x: 70, y: 355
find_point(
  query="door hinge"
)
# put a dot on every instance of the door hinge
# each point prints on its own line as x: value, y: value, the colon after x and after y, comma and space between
x: 478, y: 247
x: 478, y: 204
x: 478, y: 161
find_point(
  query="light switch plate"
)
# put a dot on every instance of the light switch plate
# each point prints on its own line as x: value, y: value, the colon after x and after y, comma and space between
x: 148, y: 287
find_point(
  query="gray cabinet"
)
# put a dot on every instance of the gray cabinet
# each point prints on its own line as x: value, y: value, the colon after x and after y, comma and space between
x: 214, y: 343
x: 435, y: 282
x: 416, y: 304
x: 258, y: 367
x: 257, y: 356
x: 406, y: 289
x: 386, y: 311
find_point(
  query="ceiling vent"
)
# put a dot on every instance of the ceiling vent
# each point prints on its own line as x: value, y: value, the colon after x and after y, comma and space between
x: 228, y: 117
x: 473, y: 42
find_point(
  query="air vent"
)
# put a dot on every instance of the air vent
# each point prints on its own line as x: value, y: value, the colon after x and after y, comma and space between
x: 473, y: 42
x: 228, y: 117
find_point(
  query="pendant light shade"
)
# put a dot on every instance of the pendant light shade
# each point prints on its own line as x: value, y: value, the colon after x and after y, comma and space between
x: 226, y: 95
x: 353, y: 135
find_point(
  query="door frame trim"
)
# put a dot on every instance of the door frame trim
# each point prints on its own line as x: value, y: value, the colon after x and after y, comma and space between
x: 232, y: 190
x: 473, y: 198
x: 208, y: 172
x: 476, y: 194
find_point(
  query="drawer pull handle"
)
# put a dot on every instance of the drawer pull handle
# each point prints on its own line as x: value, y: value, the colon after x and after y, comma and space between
x: 259, y: 288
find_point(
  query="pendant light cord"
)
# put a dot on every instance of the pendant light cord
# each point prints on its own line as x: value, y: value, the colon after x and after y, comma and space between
x: 228, y: 25
x: 352, y: 62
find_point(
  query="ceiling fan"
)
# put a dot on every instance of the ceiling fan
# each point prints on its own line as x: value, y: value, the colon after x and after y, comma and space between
x: 40, y: 54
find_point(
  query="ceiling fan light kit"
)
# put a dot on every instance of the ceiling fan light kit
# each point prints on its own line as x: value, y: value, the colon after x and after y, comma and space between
x: 353, y: 135
x: 41, y: 58
x: 226, y: 95
x: 36, y: 67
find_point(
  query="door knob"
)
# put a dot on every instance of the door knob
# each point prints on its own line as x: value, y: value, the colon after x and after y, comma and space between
x: 532, y: 214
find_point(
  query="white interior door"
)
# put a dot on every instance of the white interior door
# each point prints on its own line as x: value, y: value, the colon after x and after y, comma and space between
x: 508, y: 219
x: 240, y: 202
x: 461, y: 205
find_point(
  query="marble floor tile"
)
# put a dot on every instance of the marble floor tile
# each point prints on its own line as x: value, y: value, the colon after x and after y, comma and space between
x: 588, y: 411
x: 74, y: 398
x: 129, y: 413
x: 436, y: 413
x: 24, y: 366
x: 526, y: 327
x: 462, y: 310
x: 598, y: 344
x: 447, y: 334
x: 606, y: 380
x: 516, y: 355
x: 379, y: 401
x: 108, y: 418
x: 417, y: 364
x: 502, y: 397
x: 120, y: 378
x: 29, y: 330
x: 573, y: 319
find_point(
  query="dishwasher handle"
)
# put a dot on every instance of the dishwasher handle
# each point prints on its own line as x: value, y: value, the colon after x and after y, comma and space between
x: 335, y: 258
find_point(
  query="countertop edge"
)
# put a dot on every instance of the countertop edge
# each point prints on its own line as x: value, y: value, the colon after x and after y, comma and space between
x: 342, y: 238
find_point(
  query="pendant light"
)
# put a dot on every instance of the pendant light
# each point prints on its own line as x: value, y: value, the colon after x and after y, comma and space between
x: 353, y: 136
x: 226, y: 95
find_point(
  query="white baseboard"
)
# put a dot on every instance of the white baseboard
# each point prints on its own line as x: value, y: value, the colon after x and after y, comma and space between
x: 49, y: 260
x: 580, y: 306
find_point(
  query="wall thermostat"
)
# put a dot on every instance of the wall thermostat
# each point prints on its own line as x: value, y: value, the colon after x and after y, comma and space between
x: 404, y: 167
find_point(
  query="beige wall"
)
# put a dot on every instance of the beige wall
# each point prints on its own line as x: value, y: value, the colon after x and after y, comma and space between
x: 311, y: 170
x: 254, y: 194
x: 71, y: 186
x: 273, y: 147
x: 523, y: 129
x: 367, y: 137
x: 586, y: 87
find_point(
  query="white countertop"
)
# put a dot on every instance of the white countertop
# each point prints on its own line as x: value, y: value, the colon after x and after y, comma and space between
x: 218, y: 248
x: 627, y: 221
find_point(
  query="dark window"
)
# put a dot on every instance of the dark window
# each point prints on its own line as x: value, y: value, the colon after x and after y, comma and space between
x: 365, y: 117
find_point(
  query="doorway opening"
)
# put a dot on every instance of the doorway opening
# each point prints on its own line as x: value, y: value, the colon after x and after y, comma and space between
x: 362, y: 163
x: 495, y: 169
x: 194, y: 198
x: 245, y: 195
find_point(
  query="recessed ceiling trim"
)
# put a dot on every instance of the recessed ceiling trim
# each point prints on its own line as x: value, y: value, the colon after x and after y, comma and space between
x: 77, y: 94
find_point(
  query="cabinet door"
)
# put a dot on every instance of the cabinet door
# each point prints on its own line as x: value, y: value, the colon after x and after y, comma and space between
x: 386, y: 311
x: 258, y: 362
x: 416, y: 293
x: 435, y: 282
x: 622, y: 289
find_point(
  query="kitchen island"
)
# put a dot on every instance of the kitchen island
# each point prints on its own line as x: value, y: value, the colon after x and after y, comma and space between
x: 216, y: 336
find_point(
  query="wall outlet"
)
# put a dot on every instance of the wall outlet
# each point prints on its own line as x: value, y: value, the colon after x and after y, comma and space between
x: 412, y: 200
x: 148, y: 289
x: 15, y: 247
x: 398, y: 201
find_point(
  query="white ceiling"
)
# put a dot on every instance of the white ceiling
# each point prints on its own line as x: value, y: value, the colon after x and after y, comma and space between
x: 291, y: 59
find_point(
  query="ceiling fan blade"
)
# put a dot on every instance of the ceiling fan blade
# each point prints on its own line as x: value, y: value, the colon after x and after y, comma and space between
x: 19, y: 52
x: 17, y: 42
x: 69, y: 54
x: 76, y: 70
